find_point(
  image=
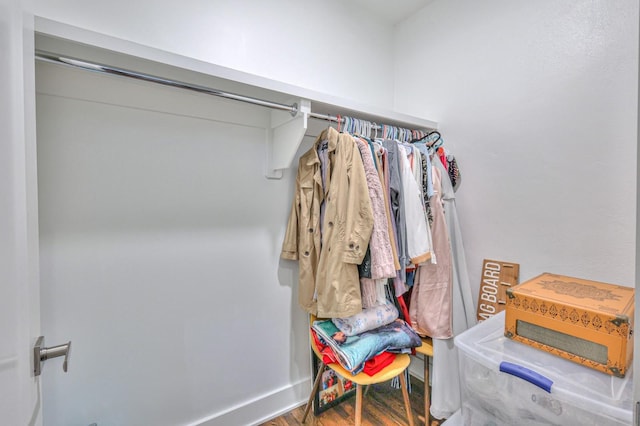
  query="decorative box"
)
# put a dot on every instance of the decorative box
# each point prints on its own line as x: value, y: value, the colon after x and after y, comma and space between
x: 584, y: 321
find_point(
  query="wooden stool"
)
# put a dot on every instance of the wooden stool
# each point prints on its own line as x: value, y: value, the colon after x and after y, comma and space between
x: 426, y: 349
x: 395, y: 369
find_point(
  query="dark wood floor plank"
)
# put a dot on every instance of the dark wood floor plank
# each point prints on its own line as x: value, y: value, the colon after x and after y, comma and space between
x: 382, y: 405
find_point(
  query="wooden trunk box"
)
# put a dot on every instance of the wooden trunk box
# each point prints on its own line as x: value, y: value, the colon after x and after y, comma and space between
x: 584, y: 321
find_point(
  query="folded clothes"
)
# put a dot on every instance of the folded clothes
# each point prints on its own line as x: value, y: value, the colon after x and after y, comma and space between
x: 353, y: 351
x: 366, y: 320
x: 371, y: 366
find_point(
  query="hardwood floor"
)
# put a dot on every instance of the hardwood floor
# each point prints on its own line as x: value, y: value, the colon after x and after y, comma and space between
x: 382, y: 406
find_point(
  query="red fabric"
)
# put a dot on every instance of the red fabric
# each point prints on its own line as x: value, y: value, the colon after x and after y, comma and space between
x: 378, y: 362
x: 405, y: 313
x: 404, y: 309
x: 328, y: 357
x: 443, y: 158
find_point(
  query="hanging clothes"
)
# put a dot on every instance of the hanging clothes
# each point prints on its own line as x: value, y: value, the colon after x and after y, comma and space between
x: 397, y: 210
x: 454, y: 171
x: 369, y: 293
x: 328, y: 275
x: 381, y: 260
x: 397, y: 203
x: 418, y: 234
x: 382, y: 164
x: 462, y: 294
x: 430, y: 308
x: 381, y: 256
x: 427, y: 179
x: 446, y: 392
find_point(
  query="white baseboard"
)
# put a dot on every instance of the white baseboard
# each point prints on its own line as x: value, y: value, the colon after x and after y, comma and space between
x: 261, y: 409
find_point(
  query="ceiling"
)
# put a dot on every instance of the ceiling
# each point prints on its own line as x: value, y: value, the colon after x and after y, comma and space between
x: 392, y: 11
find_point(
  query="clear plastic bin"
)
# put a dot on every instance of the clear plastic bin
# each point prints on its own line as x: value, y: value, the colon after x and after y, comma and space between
x: 578, y: 395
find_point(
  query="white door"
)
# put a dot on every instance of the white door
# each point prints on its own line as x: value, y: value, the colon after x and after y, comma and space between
x: 19, y: 297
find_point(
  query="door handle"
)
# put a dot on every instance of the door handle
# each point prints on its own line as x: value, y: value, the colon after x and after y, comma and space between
x: 41, y: 354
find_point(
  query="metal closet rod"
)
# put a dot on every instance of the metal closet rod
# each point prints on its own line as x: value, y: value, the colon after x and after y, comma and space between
x: 108, y: 69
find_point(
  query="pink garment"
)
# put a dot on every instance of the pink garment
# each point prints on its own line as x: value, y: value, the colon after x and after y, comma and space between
x: 369, y: 292
x: 431, y: 299
x: 380, y: 245
x: 373, y: 292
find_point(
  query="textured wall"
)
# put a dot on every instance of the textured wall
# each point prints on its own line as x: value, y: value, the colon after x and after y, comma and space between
x: 538, y: 100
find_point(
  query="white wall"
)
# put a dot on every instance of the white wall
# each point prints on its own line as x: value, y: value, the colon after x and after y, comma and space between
x: 160, y: 235
x: 325, y: 46
x: 538, y: 100
x: 160, y: 240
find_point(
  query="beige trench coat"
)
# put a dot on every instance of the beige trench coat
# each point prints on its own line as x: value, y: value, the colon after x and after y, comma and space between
x: 328, y: 279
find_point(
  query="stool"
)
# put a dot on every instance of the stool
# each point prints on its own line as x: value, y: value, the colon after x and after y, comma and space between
x: 426, y: 349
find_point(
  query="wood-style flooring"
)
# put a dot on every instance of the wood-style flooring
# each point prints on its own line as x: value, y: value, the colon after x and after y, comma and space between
x: 382, y: 406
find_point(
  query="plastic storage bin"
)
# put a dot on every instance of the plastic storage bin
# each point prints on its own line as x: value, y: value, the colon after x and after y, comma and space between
x: 577, y: 395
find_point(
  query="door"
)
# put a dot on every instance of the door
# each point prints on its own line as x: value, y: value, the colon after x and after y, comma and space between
x: 636, y: 348
x: 19, y: 297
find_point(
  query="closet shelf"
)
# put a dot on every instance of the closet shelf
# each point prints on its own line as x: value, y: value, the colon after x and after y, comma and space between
x: 291, y: 106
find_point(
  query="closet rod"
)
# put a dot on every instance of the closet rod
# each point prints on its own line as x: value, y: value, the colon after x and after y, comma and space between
x: 107, y: 69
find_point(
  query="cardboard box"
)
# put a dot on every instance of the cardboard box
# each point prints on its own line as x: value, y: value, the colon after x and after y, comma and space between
x: 584, y: 321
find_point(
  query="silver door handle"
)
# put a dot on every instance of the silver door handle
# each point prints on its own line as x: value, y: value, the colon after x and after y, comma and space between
x: 41, y: 354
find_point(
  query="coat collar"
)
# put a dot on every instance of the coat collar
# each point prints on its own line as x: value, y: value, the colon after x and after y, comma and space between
x: 330, y: 135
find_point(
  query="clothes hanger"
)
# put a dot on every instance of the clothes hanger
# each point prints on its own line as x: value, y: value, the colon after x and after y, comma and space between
x: 434, y: 132
x: 367, y: 128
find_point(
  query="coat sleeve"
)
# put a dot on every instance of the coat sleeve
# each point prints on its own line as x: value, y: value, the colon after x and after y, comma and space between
x: 290, y: 243
x: 359, y: 219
